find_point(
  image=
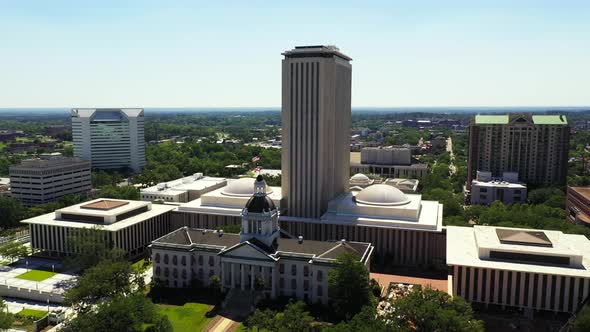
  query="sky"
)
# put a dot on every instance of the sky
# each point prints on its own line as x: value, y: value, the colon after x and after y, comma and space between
x: 114, y: 53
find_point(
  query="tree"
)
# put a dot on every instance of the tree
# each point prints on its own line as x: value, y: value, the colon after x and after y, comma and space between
x: 349, y: 286
x: 432, y: 310
x: 14, y: 250
x: 582, y: 322
x: 12, y: 211
x: 89, y: 247
x: 215, y: 284
x: 6, y: 318
x: 124, y: 192
x: 122, y: 313
x: 364, y: 321
x: 103, y: 281
x: 293, y: 319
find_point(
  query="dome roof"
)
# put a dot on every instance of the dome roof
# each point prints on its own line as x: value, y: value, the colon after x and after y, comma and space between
x: 242, y: 187
x: 259, y: 204
x: 382, y: 194
x: 360, y: 178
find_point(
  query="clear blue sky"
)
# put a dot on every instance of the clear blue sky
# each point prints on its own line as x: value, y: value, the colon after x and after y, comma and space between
x: 227, y: 53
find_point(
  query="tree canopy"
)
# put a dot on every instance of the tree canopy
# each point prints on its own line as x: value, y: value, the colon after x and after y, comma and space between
x: 349, y: 286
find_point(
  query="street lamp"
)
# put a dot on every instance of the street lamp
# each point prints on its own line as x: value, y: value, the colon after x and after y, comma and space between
x: 27, y: 262
x: 47, y: 305
x: 52, y: 267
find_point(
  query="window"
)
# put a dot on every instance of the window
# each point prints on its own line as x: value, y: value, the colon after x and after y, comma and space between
x: 320, y: 291
x: 166, y: 272
x: 175, y: 273
x: 157, y: 259
x: 183, y: 260
x: 158, y: 271
x: 201, y: 274
x: 183, y: 274
x: 306, y: 271
x: 211, y: 273
x: 306, y: 285
x: 193, y: 260
x: 165, y: 258
x: 211, y: 261
x: 281, y: 268
x: 483, y: 190
x: 174, y: 260
x: 320, y: 275
x: 293, y: 283
x: 200, y: 260
x: 293, y: 270
x: 281, y: 283
x: 483, y: 196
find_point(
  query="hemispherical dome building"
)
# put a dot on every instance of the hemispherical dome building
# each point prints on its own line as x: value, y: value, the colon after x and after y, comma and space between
x: 243, y: 187
x: 382, y: 194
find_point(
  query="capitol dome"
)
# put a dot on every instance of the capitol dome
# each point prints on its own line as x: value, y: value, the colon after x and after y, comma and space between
x: 382, y: 194
x: 242, y: 187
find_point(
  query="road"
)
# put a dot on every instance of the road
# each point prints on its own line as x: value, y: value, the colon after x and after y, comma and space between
x: 452, y: 168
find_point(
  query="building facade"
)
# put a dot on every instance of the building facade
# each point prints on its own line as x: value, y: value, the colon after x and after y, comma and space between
x: 182, y: 190
x: 256, y: 259
x: 109, y: 138
x: 128, y: 225
x: 316, y: 117
x: 534, y: 146
x: 534, y: 270
x: 485, y: 189
x: 577, y: 205
x: 48, y: 178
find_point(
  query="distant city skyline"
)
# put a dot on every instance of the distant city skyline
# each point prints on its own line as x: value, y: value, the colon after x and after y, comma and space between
x: 227, y: 54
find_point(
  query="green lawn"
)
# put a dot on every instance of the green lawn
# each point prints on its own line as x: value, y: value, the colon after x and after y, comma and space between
x: 36, y: 275
x: 189, y: 317
x: 32, y: 313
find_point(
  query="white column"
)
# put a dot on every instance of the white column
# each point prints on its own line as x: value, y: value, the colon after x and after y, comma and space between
x: 242, y: 277
x: 273, y: 292
x: 253, y: 268
x: 232, y: 275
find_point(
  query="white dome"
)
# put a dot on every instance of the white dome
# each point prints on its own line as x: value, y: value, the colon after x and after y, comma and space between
x: 382, y: 194
x: 360, y: 178
x: 242, y: 187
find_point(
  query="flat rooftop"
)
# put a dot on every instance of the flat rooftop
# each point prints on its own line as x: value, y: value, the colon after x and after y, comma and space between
x: 502, y: 119
x: 107, y: 214
x: 582, y: 191
x: 188, y: 183
x: 472, y: 246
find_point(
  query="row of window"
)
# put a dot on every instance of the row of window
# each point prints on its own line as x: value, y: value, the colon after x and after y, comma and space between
x: 320, y: 274
x: 183, y: 259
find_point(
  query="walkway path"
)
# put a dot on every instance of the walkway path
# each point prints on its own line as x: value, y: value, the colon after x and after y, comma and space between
x: 224, y: 324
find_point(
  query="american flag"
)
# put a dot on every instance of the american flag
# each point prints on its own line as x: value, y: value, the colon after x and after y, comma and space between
x: 255, y: 159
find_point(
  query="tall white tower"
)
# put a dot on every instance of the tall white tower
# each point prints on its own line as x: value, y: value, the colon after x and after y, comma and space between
x: 109, y: 138
x: 316, y: 118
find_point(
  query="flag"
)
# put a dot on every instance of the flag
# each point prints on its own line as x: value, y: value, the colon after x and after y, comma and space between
x: 255, y: 159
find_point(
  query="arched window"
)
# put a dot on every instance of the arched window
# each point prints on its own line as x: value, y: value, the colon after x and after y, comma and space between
x: 320, y: 275
x: 183, y: 260
x: 165, y: 258
x: 157, y: 259
x: 174, y: 260
x: 158, y: 271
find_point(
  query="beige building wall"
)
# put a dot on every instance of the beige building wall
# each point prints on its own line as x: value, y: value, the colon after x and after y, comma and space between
x: 536, y: 291
x: 316, y: 117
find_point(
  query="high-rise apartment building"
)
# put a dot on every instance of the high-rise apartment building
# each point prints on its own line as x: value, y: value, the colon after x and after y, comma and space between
x: 534, y: 146
x: 109, y: 138
x: 316, y: 117
x: 48, y: 178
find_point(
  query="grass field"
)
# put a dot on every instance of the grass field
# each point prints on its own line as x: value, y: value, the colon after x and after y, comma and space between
x: 36, y: 275
x: 32, y: 313
x: 189, y: 317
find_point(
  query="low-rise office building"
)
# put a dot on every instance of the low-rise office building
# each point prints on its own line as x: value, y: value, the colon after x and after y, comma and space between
x: 530, y: 269
x: 182, y: 190
x: 257, y: 258
x: 387, y: 163
x: 48, y: 178
x: 577, y: 205
x: 485, y: 189
x: 129, y: 225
